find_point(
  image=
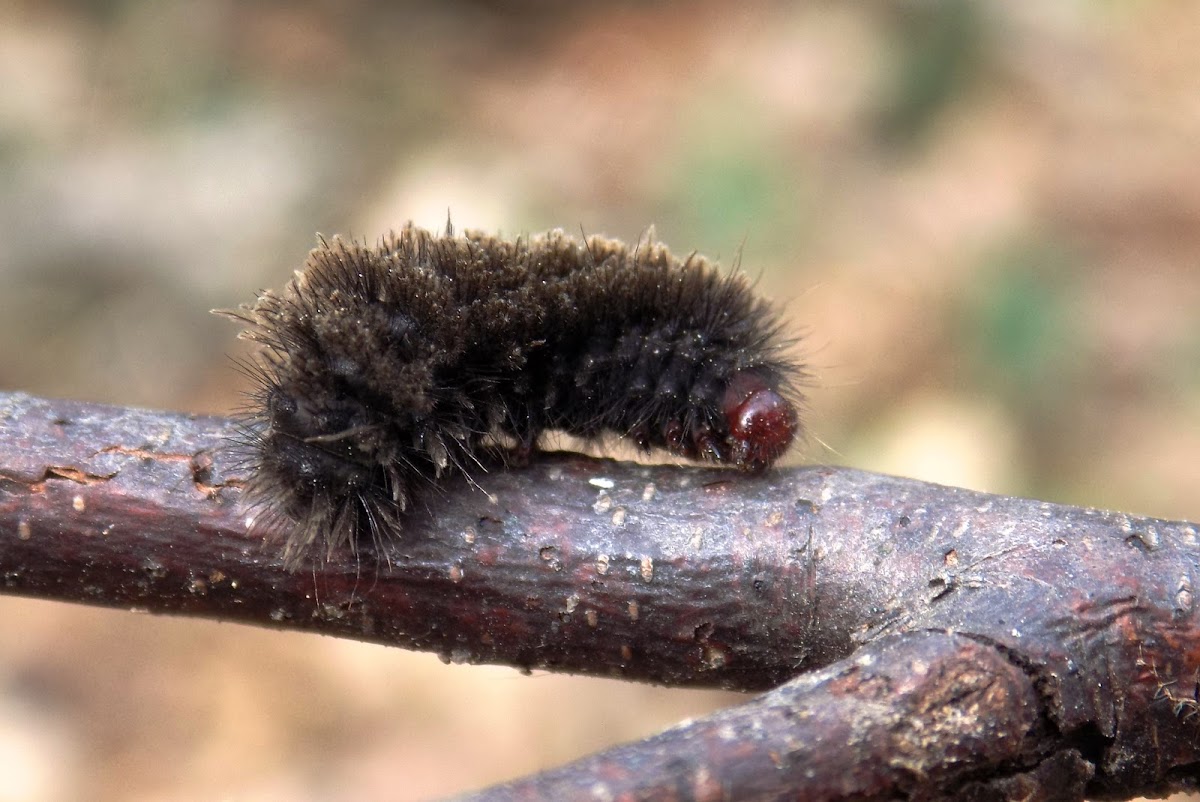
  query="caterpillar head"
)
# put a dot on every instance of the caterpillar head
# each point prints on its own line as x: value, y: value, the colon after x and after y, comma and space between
x: 762, y: 423
x: 753, y: 426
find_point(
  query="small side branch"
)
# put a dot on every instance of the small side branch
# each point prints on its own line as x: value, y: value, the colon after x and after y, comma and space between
x: 932, y: 715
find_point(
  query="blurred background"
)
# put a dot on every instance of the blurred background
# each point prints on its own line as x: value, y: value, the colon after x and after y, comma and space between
x: 983, y: 217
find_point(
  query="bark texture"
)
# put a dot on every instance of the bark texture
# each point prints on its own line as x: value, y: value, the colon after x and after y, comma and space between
x: 921, y: 641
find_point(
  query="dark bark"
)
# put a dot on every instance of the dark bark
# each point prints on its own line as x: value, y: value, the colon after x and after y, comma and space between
x: 968, y: 644
x: 936, y: 713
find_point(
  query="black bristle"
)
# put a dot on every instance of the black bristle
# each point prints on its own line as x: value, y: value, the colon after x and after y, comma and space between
x: 384, y: 368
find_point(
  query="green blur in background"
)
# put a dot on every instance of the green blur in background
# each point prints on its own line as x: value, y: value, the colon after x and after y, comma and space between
x: 982, y: 219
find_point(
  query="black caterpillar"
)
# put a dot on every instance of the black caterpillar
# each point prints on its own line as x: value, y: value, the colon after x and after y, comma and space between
x: 384, y: 368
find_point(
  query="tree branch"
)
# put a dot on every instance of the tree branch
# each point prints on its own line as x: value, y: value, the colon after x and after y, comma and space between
x: 972, y: 644
x: 920, y: 715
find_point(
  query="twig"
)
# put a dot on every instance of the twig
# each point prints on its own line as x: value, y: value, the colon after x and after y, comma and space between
x: 988, y: 646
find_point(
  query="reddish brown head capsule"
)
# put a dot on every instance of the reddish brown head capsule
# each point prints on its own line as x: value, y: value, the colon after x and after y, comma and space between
x: 762, y: 423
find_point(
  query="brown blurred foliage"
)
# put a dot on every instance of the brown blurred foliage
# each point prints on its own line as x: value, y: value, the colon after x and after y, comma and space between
x: 984, y: 217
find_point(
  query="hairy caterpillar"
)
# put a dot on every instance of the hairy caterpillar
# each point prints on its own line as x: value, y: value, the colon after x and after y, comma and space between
x: 384, y: 368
